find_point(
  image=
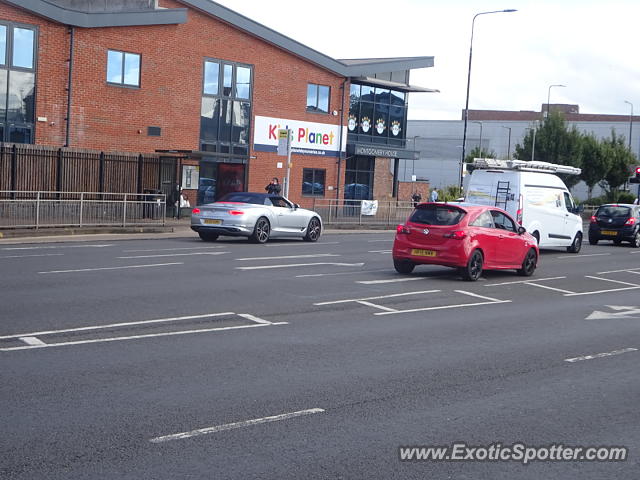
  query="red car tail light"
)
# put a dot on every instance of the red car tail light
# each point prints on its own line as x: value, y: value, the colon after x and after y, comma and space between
x: 631, y: 221
x: 195, y: 211
x: 594, y: 219
x: 457, y: 235
x: 402, y: 229
x: 236, y: 212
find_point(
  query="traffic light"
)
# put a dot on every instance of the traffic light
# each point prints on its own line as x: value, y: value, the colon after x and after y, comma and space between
x: 636, y: 177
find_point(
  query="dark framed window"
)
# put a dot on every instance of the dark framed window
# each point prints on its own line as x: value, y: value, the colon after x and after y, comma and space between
x: 318, y: 98
x: 18, y: 49
x: 359, y: 173
x: 225, y: 115
x: 123, y: 68
x: 313, y: 181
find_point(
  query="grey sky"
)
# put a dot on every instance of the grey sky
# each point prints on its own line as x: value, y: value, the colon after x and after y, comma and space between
x: 586, y: 45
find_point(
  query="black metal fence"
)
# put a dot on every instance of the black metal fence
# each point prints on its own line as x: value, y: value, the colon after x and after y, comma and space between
x: 39, y: 168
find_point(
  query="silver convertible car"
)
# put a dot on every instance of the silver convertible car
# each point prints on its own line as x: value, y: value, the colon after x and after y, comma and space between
x: 258, y: 216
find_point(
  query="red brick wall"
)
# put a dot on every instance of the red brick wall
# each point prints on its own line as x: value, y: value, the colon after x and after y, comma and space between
x: 114, y: 118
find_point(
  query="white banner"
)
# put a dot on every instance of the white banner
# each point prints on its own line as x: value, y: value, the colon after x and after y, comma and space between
x: 369, y: 207
x: 309, y: 138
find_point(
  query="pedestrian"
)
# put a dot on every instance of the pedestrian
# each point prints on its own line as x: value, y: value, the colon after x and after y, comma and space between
x: 434, y: 195
x: 274, y: 187
x: 416, y: 198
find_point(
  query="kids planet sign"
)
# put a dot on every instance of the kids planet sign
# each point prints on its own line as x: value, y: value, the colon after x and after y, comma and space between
x: 309, y: 138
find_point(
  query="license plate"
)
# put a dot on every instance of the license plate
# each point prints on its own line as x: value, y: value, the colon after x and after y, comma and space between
x: 423, y: 253
x: 608, y: 232
x: 211, y: 221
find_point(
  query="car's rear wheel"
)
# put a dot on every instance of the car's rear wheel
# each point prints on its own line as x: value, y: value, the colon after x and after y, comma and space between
x: 593, y: 241
x: 208, y: 236
x: 473, y: 269
x: 403, y: 266
x: 314, y: 229
x: 576, y: 245
x: 635, y: 242
x: 528, y: 264
x: 261, y: 231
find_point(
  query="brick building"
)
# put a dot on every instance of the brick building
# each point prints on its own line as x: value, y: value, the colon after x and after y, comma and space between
x: 196, y: 80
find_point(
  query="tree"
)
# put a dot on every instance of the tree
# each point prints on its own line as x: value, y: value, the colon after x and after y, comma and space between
x: 595, y: 164
x: 620, y: 161
x: 478, y: 152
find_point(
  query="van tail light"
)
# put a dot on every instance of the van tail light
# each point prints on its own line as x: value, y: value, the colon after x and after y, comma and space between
x: 236, y: 212
x: 631, y: 221
x: 457, y: 235
x: 402, y: 229
x: 195, y: 211
x: 594, y: 219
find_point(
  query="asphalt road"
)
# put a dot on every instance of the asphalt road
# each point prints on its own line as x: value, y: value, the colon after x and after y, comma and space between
x: 175, y: 358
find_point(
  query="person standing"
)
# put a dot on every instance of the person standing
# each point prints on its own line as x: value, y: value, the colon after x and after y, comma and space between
x: 274, y: 188
x: 434, y: 195
x: 416, y: 198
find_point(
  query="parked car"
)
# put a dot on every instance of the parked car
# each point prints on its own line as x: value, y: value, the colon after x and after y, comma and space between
x: 616, y: 222
x: 257, y: 216
x: 468, y: 237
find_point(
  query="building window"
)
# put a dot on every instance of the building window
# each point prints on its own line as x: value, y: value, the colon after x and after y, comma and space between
x: 358, y: 178
x: 17, y: 82
x: 317, y: 98
x: 313, y: 180
x: 123, y: 68
x: 226, y: 107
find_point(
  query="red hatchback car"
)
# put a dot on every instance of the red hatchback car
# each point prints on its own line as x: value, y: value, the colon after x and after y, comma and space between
x: 468, y: 237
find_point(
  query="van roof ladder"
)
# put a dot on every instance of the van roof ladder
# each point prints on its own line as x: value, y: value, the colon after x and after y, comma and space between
x: 502, y: 195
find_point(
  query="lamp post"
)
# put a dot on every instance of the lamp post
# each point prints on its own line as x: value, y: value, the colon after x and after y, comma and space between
x: 466, y: 105
x: 549, y: 97
x: 480, y: 123
x: 509, y: 144
x: 630, y: 122
x: 533, y: 141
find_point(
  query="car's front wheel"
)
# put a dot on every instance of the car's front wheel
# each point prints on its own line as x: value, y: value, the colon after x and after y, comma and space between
x: 529, y: 264
x: 403, y: 266
x: 208, y: 236
x: 473, y: 269
x: 314, y: 229
x: 261, y: 231
x: 576, y: 245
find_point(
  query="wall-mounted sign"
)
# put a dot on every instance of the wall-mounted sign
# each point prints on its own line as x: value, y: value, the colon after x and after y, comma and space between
x: 309, y: 138
x: 380, y: 151
x: 190, y: 177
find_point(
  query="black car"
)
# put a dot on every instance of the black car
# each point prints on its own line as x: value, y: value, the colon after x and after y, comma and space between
x: 617, y: 222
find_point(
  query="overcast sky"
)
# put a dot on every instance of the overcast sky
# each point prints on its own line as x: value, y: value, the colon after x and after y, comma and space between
x: 589, y: 46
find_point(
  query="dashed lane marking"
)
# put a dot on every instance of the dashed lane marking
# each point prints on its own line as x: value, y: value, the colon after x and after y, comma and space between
x: 390, y: 280
x: 113, y: 268
x: 490, y: 301
x: 36, y: 255
x: 315, y: 255
x: 584, y: 255
x: 175, y: 255
x: 57, y: 246
x: 292, y: 265
x: 393, y: 295
x: 600, y: 355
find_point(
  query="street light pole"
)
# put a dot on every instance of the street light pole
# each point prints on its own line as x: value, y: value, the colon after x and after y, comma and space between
x: 533, y: 142
x: 480, y: 123
x: 549, y: 97
x: 630, y: 122
x: 466, y: 106
x: 509, y: 144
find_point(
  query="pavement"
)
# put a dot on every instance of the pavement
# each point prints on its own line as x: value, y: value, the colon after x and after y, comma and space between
x: 173, y: 228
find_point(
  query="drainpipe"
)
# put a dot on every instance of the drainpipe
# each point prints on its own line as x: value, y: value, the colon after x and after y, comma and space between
x: 341, y: 135
x: 69, y: 84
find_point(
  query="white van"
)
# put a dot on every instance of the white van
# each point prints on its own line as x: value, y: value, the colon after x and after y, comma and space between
x: 533, y: 194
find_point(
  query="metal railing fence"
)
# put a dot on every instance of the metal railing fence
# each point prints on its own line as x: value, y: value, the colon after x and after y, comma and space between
x: 362, y: 212
x: 38, y: 209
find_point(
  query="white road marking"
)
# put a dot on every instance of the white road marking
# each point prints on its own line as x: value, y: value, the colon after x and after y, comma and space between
x: 290, y: 256
x: 265, y: 267
x: 600, y: 355
x: 390, y: 280
x: 522, y: 281
x: 443, y: 307
x: 114, y: 268
x: 175, y: 254
x: 253, y: 318
x: 31, y: 341
x: 620, y: 312
x: 379, y: 251
x: 172, y: 249
x: 471, y: 294
x: 302, y: 244
x: 232, y: 426
x: 600, y: 291
x: 376, y: 298
x: 390, y: 240
x: 635, y: 251
x: 584, y: 255
x: 56, y: 246
x: 369, y: 304
x: 341, y: 273
x: 613, y: 281
x: 630, y: 270
x: 549, y: 288
x: 136, y: 337
x: 38, y: 255
x: 116, y: 325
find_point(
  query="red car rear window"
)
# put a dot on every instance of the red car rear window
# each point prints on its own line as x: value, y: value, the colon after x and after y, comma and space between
x: 437, y: 215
